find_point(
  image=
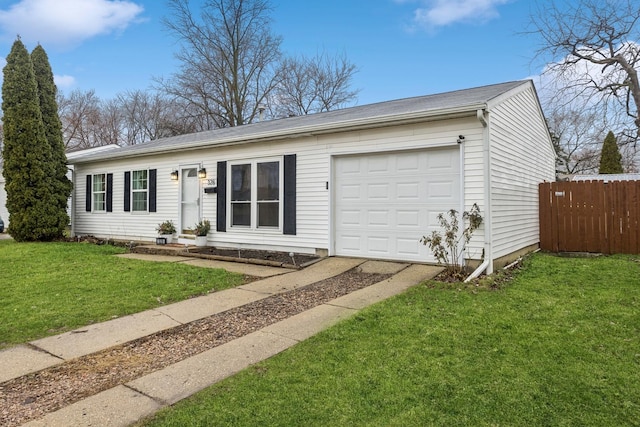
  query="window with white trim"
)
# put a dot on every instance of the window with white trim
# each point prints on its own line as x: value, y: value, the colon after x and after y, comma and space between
x: 99, y: 192
x: 256, y: 194
x: 139, y: 190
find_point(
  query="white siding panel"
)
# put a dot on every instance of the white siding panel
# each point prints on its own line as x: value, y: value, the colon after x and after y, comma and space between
x: 474, y: 185
x: 521, y: 158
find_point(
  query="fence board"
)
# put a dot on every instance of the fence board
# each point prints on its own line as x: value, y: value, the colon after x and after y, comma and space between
x: 590, y: 216
x: 634, y: 217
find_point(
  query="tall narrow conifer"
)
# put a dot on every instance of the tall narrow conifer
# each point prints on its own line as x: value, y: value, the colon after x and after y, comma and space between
x: 27, y: 155
x: 53, y: 131
x: 610, y: 159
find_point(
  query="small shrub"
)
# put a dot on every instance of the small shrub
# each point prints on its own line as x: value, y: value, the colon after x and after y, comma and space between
x: 166, y: 227
x: 202, y: 228
x: 449, y: 246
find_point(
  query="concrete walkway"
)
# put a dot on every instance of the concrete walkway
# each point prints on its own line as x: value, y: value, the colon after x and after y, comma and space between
x: 125, y: 404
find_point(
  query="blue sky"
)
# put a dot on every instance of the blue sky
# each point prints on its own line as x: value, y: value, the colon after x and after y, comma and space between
x: 402, y: 48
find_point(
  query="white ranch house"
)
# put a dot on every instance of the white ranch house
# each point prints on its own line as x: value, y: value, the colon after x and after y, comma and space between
x: 366, y: 181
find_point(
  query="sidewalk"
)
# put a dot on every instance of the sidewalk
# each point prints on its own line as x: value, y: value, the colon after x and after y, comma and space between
x: 125, y: 404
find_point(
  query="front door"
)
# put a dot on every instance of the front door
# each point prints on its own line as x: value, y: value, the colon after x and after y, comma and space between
x: 189, y: 199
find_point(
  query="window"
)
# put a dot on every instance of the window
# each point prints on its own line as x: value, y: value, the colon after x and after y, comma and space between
x: 99, y: 192
x: 268, y: 194
x: 255, y: 194
x: 241, y: 195
x: 139, y: 190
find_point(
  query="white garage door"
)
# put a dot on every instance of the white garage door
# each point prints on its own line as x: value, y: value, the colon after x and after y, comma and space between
x: 384, y: 203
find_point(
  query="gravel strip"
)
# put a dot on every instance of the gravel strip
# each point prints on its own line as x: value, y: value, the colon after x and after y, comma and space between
x: 32, y: 396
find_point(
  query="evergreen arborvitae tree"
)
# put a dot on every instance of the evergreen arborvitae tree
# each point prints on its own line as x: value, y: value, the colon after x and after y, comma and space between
x: 27, y: 167
x: 53, y: 131
x: 610, y: 159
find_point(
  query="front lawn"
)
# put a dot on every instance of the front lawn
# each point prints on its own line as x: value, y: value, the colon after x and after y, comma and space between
x: 49, y: 288
x: 559, y: 345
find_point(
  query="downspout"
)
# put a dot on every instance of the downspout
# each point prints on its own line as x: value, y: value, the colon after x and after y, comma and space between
x: 72, y: 217
x: 487, y: 264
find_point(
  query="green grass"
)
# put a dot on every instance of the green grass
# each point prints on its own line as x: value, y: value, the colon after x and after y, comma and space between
x: 48, y: 288
x: 556, y: 346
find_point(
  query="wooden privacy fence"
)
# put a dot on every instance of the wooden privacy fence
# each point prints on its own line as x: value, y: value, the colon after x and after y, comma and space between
x: 590, y: 216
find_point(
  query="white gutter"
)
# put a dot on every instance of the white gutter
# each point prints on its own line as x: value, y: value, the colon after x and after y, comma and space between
x: 487, y: 264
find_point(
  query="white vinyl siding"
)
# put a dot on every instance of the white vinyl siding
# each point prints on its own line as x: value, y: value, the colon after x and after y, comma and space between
x: 521, y: 158
x: 313, y: 167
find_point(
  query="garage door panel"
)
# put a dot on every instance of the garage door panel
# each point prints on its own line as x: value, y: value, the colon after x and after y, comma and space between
x: 379, y: 246
x: 442, y: 160
x: 377, y: 165
x: 379, y: 218
x: 350, y: 218
x: 408, y: 218
x: 378, y: 191
x: 351, y: 192
x: 407, y: 163
x: 348, y: 166
x: 384, y: 203
x: 351, y: 243
x: 441, y: 191
x: 408, y: 191
x: 409, y: 248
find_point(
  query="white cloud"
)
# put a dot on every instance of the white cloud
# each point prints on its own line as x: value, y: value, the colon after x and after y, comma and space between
x: 440, y: 13
x: 64, y: 82
x: 65, y: 23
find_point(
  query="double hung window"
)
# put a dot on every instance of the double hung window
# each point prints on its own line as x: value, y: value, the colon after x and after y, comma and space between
x: 139, y: 190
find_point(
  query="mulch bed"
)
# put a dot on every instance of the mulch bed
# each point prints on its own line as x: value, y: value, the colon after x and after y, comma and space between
x: 271, y: 257
x: 274, y: 258
x: 32, y: 396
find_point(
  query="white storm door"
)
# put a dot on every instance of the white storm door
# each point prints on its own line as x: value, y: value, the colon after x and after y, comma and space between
x: 189, y: 198
x: 384, y: 203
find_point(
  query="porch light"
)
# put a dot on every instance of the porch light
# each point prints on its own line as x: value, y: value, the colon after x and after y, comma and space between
x: 202, y: 173
x: 174, y: 175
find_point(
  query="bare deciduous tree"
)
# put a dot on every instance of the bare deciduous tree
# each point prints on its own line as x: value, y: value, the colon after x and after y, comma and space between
x: 594, y: 56
x: 130, y: 118
x: 148, y: 115
x: 577, y: 136
x: 80, y: 114
x: 313, y: 85
x: 228, y: 59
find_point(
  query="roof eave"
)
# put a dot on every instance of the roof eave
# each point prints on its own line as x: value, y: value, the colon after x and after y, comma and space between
x: 304, y: 131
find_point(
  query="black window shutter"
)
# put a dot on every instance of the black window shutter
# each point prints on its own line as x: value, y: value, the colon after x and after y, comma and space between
x: 289, y: 226
x: 109, y: 192
x: 221, y: 201
x: 152, y: 190
x: 127, y: 191
x: 87, y: 202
